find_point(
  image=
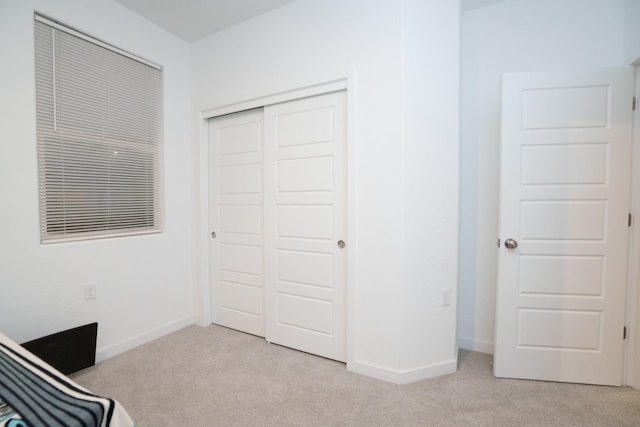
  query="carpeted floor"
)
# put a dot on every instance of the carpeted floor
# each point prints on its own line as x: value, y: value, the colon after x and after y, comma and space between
x: 214, y: 376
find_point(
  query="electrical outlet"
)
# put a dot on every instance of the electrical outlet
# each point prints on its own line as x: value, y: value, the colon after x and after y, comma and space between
x: 89, y: 291
x: 445, y: 297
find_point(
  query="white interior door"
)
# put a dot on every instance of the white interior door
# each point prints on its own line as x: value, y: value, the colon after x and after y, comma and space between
x: 565, y: 197
x: 305, y: 224
x: 236, y: 218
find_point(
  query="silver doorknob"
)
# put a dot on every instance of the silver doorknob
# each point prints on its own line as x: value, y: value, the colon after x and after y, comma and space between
x: 213, y: 234
x: 341, y: 244
x: 510, y: 244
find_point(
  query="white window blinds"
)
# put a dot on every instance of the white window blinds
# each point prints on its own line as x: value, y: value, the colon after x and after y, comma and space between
x: 98, y: 126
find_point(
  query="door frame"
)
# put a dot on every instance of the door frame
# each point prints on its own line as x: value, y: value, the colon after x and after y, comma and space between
x: 631, y: 374
x: 301, y: 89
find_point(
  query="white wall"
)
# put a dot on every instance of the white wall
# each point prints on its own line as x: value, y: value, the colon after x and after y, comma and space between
x: 405, y: 172
x: 144, y: 284
x: 431, y: 183
x: 632, y: 31
x: 512, y: 36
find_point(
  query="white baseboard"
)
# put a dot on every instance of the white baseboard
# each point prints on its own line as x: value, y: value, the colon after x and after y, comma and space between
x: 476, y: 345
x: 403, y: 376
x: 202, y: 320
x: 133, y: 342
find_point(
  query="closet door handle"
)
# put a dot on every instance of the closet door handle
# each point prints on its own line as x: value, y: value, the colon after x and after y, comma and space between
x: 510, y: 244
x: 341, y: 244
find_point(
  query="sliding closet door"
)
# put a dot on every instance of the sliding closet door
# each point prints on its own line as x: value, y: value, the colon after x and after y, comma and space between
x: 305, y: 224
x: 236, y: 221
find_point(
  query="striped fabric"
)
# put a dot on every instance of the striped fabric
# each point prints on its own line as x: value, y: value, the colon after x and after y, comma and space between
x: 40, y: 396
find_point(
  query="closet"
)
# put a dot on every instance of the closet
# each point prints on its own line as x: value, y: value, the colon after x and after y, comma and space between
x: 277, y: 184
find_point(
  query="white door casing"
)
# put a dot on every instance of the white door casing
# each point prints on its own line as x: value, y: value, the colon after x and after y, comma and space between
x: 236, y: 218
x: 632, y: 374
x: 305, y: 218
x: 565, y: 198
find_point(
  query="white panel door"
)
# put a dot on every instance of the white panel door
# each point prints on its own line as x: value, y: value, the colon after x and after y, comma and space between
x: 236, y: 218
x: 305, y: 224
x: 565, y: 197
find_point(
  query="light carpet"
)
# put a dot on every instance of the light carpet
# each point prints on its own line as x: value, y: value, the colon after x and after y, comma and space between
x: 215, y: 376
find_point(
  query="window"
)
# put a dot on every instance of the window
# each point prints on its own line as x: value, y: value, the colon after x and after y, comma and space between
x: 98, y: 112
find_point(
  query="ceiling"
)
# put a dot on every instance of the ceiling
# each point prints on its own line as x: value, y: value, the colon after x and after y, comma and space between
x: 194, y: 19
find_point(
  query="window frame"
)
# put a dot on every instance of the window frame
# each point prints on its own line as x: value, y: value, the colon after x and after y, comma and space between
x: 153, y: 198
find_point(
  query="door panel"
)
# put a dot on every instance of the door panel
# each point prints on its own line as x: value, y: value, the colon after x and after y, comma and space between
x: 562, y: 220
x: 305, y: 127
x: 307, y: 268
x: 539, y: 329
x: 565, y: 189
x: 236, y: 181
x: 245, y: 219
x: 305, y: 222
x: 305, y: 199
x: 561, y: 275
x: 578, y: 107
x: 574, y: 164
x: 305, y: 174
x: 240, y: 179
